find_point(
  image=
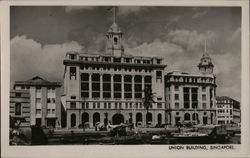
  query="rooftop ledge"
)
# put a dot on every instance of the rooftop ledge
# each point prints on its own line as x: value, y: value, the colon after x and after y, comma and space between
x: 66, y: 62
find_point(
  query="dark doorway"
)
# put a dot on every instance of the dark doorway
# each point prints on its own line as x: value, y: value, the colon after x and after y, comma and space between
x: 117, y: 119
x: 159, y: 119
x: 177, y: 120
x: 96, y: 118
x: 73, y: 120
x: 149, y: 118
x: 204, y: 120
x: 51, y: 122
x: 187, y: 117
x: 38, y: 121
x: 85, y: 118
x: 212, y: 115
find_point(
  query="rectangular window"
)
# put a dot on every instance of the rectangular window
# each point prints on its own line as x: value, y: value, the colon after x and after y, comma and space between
x: 48, y: 100
x: 93, y: 105
x: 158, y: 74
x: 72, y: 56
x: 105, y: 105
x: 53, y: 111
x: 38, y: 111
x: 176, y: 96
x: 72, y: 105
x: 203, y: 89
x: 83, y: 105
x: 176, y: 88
x: 72, y: 73
x: 204, y: 97
x: 73, y: 97
x: 186, y: 97
x: 177, y: 105
x: 159, y: 105
x: 18, y: 109
x: 18, y: 94
x: 109, y: 105
x: 204, y: 105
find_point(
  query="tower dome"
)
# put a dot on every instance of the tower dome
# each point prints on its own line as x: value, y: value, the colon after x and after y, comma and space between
x: 206, y: 66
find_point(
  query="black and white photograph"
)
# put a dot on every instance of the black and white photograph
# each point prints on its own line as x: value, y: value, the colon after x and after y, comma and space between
x: 134, y: 75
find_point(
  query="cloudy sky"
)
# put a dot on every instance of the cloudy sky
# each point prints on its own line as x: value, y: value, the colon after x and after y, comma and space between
x: 40, y: 37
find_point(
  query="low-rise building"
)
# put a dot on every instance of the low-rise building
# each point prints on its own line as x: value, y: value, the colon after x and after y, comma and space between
x: 20, y: 107
x: 228, y: 110
x: 45, y: 104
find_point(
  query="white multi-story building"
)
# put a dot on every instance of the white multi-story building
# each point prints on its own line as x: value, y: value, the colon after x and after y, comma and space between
x: 228, y: 110
x: 109, y: 87
x: 44, y: 101
x: 191, y: 97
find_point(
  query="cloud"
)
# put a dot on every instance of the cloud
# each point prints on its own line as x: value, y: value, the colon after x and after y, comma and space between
x: 199, y: 14
x: 29, y: 58
x: 191, y: 40
x: 70, y: 9
x: 125, y: 10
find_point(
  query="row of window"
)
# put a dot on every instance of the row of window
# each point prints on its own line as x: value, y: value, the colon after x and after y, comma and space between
x: 115, y: 68
x: 189, y: 79
x: 49, y: 111
x: 115, y: 59
x: 116, y: 105
x: 38, y: 88
x: 186, y: 97
x: 49, y: 100
x: 194, y: 105
x: 225, y: 111
x: 224, y: 106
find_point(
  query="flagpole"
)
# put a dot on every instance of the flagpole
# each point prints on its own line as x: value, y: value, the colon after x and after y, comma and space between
x: 114, y: 15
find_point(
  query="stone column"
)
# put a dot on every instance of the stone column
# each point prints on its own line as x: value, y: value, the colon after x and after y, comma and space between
x: 133, y: 86
x: 101, y: 86
x: 112, y: 86
x: 90, y: 85
x: 122, y: 86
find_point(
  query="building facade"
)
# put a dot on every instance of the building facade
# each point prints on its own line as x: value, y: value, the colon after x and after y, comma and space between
x: 45, y: 106
x: 191, y: 97
x: 228, y: 110
x: 20, y: 107
x: 110, y: 87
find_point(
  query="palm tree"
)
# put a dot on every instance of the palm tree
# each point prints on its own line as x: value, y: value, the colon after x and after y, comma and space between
x: 148, y: 99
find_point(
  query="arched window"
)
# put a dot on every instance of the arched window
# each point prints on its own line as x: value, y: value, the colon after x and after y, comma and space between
x: 85, y: 118
x: 18, y: 109
x: 138, y: 118
x: 149, y: 117
x: 96, y: 118
x: 187, y: 116
x: 73, y: 120
x: 115, y: 40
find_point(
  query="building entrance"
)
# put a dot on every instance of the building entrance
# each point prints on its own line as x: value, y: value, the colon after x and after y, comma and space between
x: 117, y: 119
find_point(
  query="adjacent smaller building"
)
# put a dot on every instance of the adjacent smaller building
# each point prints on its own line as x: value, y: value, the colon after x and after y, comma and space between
x: 191, y: 96
x: 44, y: 101
x: 20, y: 107
x: 228, y: 110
